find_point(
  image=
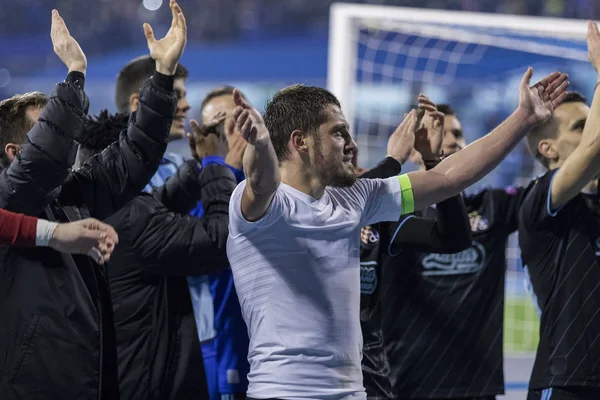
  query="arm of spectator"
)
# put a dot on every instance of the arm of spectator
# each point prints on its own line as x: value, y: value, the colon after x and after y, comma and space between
x: 112, y: 178
x: 45, y: 159
x: 175, y: 244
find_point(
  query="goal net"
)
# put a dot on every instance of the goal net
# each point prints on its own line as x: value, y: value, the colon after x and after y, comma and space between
x: 381, y: 57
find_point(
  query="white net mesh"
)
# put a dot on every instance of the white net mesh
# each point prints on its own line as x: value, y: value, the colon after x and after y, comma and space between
x: 476, y: 70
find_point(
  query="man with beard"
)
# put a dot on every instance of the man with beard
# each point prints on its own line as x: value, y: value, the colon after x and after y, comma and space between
x: 446, y: 232
x: 295, y: 224
x: 57, y: 332
x: 559, y: 238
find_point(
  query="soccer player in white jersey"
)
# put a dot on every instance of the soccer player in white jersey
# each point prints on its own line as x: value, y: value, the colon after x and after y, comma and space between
x: 295, y: 224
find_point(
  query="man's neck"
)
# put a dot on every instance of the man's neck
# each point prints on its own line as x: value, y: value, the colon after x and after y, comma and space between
x: 300, y: 179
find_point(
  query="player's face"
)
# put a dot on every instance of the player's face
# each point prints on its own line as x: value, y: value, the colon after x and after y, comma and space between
x: 178, y: 126
x: 570, y: 119
x: 333, y: 153
x: 454, y: 139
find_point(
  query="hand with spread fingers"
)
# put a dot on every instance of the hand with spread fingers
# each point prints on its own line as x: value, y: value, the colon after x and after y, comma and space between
x: 168, y: 50
x: 540, y: 100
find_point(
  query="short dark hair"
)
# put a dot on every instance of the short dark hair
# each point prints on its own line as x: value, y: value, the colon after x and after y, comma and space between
x: 445, y: 109
x: 547, y: 130
x: 296, y: 107
x: 14, y: 123
x: 100, y: 132
x: 217, y: 92
x: 133, y: 76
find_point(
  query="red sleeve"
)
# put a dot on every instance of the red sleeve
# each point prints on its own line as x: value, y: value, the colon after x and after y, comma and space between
x: 17, y: 229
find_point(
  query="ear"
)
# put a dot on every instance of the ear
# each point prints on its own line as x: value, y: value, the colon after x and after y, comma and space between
x: 547, y: 148
x: 134, y: 100
x: 12, y: 150
x: 298, y: 141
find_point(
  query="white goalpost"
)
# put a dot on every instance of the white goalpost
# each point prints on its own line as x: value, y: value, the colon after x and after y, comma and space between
x: 346, y: 20
x: 381, y: 57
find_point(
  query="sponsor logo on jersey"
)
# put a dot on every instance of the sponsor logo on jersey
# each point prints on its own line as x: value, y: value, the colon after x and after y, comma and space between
x: 368, y: 277
x: 369, y: 236
x: 468, y: 261
x: 478, y: 222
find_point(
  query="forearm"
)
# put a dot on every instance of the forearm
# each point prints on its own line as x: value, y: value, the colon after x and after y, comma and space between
x: 461, y: 170
x: 386, y: 168
x: 452, y: 226
x: 448, y: 233
x: 182, y: 191
x: 112, y: 178
x: 262, y: 169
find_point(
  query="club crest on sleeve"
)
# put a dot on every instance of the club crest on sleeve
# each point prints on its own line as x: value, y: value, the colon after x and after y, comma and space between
x: 478, y: 222
x: 369, y: 236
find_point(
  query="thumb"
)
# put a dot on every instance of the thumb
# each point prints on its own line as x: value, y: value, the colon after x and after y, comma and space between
x: 525, y: 82
x: 149, y: 33
x: 238, y: 99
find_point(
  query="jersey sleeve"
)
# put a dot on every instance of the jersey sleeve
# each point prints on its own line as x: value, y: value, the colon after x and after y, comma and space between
x: 238, y: 225
x: 507, y: 203
x: 536, y: 211
x: 386, y: 199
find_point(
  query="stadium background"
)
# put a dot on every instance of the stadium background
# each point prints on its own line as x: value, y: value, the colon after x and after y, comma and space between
x: 262, y: 45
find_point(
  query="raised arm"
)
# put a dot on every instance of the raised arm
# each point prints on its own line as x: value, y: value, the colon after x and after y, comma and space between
x: 175, y: 244
x: 260, y: 162
x: 112, y: 178
x: 583, y: 164
x: 461, y: 170
x: 45, y: 159
x: 450, y: 232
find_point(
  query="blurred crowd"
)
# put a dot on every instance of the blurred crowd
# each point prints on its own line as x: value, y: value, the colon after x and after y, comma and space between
x: 233, y: 19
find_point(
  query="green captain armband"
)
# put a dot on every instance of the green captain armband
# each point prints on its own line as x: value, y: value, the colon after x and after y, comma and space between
x: 408, y: 200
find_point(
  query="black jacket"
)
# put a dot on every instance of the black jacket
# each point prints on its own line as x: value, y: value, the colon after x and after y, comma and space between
x: 157, y: 340
x: 57, y: 337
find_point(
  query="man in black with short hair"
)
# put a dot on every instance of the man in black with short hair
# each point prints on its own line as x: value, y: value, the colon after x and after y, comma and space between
x: 448, y: 233
x: 559, y: 232
x: 443, y: 313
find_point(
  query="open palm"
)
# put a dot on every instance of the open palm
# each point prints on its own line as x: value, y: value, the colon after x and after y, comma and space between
x: 540, y: 100
x: 168, y: 50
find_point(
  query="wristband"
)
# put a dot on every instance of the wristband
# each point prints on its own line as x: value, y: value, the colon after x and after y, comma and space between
x: 408, y: 200
x: 44, y: 231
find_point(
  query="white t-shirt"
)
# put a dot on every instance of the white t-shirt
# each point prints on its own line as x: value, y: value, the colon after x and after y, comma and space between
x: 296, y: 273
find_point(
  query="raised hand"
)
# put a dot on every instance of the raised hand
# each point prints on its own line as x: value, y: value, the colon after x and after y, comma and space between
x: 65, y: 47
x: 249, y: 122
x: 208, y: 140
x: 429, y: 135
x: 401, y: 143
x: 540, y: 100
x: 236, y: 144
x: 88, y: 236
x: 593, y: 41
x: 168, y: 50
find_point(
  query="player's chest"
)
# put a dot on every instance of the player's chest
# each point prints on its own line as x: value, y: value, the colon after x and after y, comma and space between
x: 488, y: 244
